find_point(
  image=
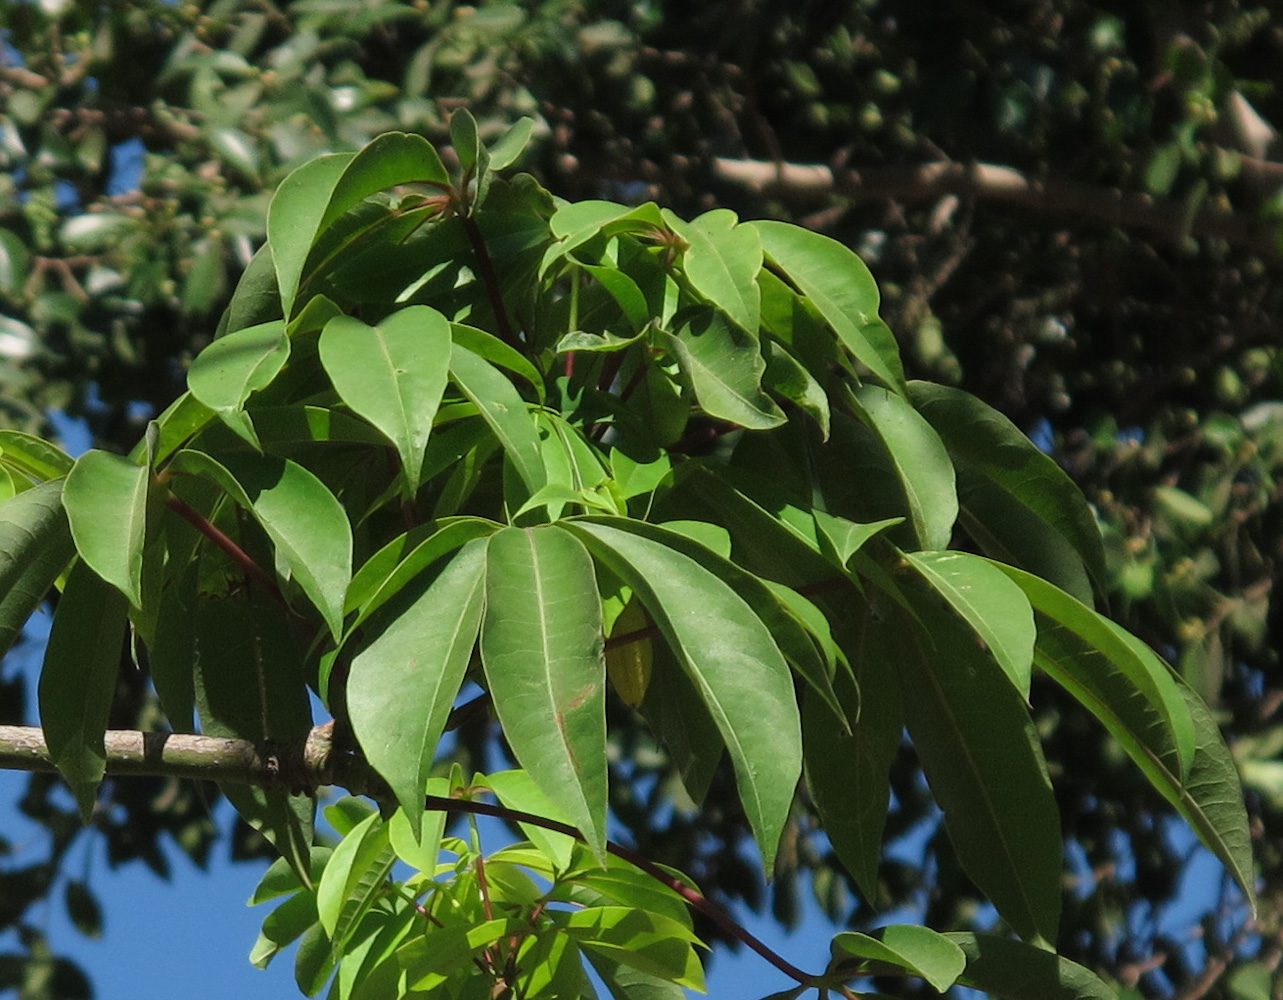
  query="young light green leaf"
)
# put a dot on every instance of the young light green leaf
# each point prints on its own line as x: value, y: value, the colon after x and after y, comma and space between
x: 78, y: 680
x: 542, y: 648
x: 648, y: 942
x: 353, y: 879
x: 1017, y: 503
x: 35, y: 547
x: 724, y: 367
x: 841, y: 287
x: 721, y: 262
x: 503, y: 410
x: 228, y: 371
x: 464, y: 138
x: 626, y: 983
x: 294, y: 219
x: 983, y: 761
x: 734, y: 663
x: 993, y: 607
x: 922, y: 465
x: 918, y: 950
x: 393, y: 375
x: 1106, y: 668
x: 403, y: 683
x: 1013, y: 970
x: 106, y: 500
x: 518, y: 790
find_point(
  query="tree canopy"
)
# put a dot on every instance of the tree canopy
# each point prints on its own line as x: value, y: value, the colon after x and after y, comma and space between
x: 1068, y: 209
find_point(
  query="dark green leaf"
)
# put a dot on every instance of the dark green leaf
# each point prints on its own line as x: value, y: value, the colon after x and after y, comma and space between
x: 78, y: 680
x: 35, y: 547
x: 1014, y: 970
x: 918, y: 950
x: 724, y: 367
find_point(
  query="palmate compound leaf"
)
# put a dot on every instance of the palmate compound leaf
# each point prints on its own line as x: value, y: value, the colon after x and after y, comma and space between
x: 542, y: 649
x: 35, y: 547
x: 78, y: 680
x: 732, y: 660
x: 1016, y: 502
x: 983, y: 761
x: 392, y: 374
x: 403, y: 683
x: 1161, y: 723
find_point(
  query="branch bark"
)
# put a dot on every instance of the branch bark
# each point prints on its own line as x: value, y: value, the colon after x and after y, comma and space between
x: 816, y: 183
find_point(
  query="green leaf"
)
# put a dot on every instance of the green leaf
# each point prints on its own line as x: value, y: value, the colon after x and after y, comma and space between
x: 106, y: 500
x: 503, y: 410
x: 919, y: 950
x: 395, y: 565
x: 1017, y: 503
x: 393, y: 375
x: 848, y: 770
x: 307, y: 525
x: 281, y: 880
x: 518, y: 790
x: 1106, y: 668
x: 403, y: 683
x: 314, y: 963
x: 721, y: 262
x: 228, y: 371
x: 994, y: 607
x: 78, y: 680
x: 353, y: 878
x: 734, y: 663
x: 433, y: 958
x: 294, y: 219
x: 282, y: 927
x: 648, y: 942
x: 843, y: 538
x: 465, y: 139
x: 1014, y: 970
x: 982, y: 759
x: 724, y: 367
x: 509, y: 147
x: 841, y: 287
x: 542, y: 647
x: 494, y: 350
x: 390, y: 159
x: 35, y: 547
x: 626, y: 983
x: 922, y: 465
x: 787, y: 376
x: 34, y: 458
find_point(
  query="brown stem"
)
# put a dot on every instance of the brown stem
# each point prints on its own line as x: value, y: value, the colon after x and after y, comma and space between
x: 485, y: 266
x: 233, y: 551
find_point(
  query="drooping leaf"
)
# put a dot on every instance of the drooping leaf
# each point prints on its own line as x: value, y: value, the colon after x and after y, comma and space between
x: 504, y: 411
x: 402, y: 684
x: 848, y: 770
x: 993, y: 607
x: 1017, y: 503
x: 922, y: 466
x: 724, y: 366
x: 282, y: 927
x: 731, y: 658
x: 35, y: 547
x: 841, y: 287
x: 294, y: 219
x: 542, y: 647
x: 393, y: 375
x: 983, y: 761
x: 1014, y: 970
x: 106, y: 501
x: 307, y: 525
x: 78, y: 680
x: 1106, y: 668
x: 918, y: 950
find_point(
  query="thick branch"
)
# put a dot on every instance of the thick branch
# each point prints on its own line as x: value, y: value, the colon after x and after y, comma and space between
x: 812, y: 183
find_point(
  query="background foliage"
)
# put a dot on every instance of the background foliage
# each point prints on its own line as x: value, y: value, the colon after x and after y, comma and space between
x: 1144, y: 357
